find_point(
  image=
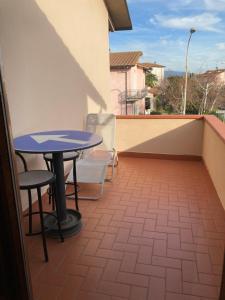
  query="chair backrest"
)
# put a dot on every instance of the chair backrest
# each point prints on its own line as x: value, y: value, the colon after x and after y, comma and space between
x: 103, y: 125
x: 22, y: 160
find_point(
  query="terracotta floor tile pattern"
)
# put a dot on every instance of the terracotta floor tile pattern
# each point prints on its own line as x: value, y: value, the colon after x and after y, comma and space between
x: 158, y: 233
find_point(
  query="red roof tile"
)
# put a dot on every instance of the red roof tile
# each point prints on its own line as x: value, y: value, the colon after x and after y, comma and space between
x: 124, y: 59
x: 148, y: 65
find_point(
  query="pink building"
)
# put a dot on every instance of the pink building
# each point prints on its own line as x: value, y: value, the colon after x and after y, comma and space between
x: 128, y: 89
x: 214, y: 76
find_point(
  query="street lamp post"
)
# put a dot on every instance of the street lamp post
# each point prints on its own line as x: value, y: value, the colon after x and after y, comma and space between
x: 192, y: 30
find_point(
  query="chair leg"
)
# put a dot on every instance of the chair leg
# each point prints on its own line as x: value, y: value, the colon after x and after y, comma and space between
x: 30, y: 211
x: 42, y: 224
x: 49, y: 189
x: 114, y: 163
x: 98, y: 196
x: 52, y: 191
x: 101, y: 190
x: 75, y: 184
x: 112, y: 171
x: 57, y: 214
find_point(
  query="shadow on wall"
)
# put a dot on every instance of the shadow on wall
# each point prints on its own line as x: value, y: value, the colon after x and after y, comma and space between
x: 184, y: 140
x: 46, y: 86
x: 47, y: 89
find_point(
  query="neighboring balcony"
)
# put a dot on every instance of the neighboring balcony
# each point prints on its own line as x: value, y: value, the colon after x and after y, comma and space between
x: 133, y: 95
x: 132, y: 101
x: 159, y: 230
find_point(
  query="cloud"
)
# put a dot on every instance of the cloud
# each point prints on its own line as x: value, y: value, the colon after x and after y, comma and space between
x: 166, y: 42
x: 214, y: 5
x: 204, y: 22
x: 175, y: 5
x: 220, y: 46
x: 178, y: 5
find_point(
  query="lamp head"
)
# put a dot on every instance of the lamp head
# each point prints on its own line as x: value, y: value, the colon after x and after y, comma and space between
x: 192, y: 30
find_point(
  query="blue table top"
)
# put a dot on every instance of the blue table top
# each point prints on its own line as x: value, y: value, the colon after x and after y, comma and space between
x: 56, y: 141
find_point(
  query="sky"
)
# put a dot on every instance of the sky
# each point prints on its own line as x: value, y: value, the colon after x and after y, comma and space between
x: 161, y: 31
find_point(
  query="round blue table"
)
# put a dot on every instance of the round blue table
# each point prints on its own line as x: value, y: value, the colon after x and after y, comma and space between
x: 57, y: 142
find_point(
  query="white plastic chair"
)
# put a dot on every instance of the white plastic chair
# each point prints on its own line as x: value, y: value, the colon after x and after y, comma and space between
x: 103, y: 125
x: 90, y: 171
x: 92, y: 167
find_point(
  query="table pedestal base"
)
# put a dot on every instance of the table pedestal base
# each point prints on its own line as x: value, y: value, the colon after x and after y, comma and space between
x: 70, y: 226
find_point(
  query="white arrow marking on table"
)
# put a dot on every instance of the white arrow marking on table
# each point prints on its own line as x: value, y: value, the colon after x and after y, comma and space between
x: 58, y: 138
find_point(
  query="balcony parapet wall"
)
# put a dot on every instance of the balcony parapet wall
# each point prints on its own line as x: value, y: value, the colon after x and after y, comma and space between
x: 169, y: 136
x: 213, y: 153
x: 186, y: 137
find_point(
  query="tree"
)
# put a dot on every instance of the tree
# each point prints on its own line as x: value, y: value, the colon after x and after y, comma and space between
x: 171, y: 94
x: 150, y: 79
x: 212, y: 90
x: 205, y: 94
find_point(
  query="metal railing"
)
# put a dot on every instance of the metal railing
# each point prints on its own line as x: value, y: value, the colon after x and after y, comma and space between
x: 133, y: 95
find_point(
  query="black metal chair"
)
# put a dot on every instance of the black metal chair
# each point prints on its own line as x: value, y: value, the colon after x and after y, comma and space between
x: 67, y: 156
x: 36, y: 179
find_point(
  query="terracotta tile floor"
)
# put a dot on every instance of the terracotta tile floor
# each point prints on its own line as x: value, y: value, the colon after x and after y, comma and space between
x: 157, y: 234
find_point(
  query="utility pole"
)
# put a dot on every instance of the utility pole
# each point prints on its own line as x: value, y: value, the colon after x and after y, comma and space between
x: 126, y: 90
x: 192, y: 30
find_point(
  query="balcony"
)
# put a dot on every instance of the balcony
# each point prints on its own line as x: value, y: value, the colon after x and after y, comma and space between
x: 133, y: 95
x: 158, y: 231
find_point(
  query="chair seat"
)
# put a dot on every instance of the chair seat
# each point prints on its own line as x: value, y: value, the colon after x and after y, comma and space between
x: 100, y: 155
x: 66, y: 156
x: 35, y: 178
x: 89, y: 171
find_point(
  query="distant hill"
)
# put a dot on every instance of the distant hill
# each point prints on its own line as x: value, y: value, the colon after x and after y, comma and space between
x: 169, y: 73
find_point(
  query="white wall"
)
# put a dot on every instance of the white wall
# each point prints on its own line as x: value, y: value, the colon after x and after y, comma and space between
x: 55, y: 61
x: 159, y: 72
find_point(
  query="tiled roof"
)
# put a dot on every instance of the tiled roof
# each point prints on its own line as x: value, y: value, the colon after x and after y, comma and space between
x: 211, y: 74
x: 147, y: 65
x: 217, y: 71
x: 124, y: 59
